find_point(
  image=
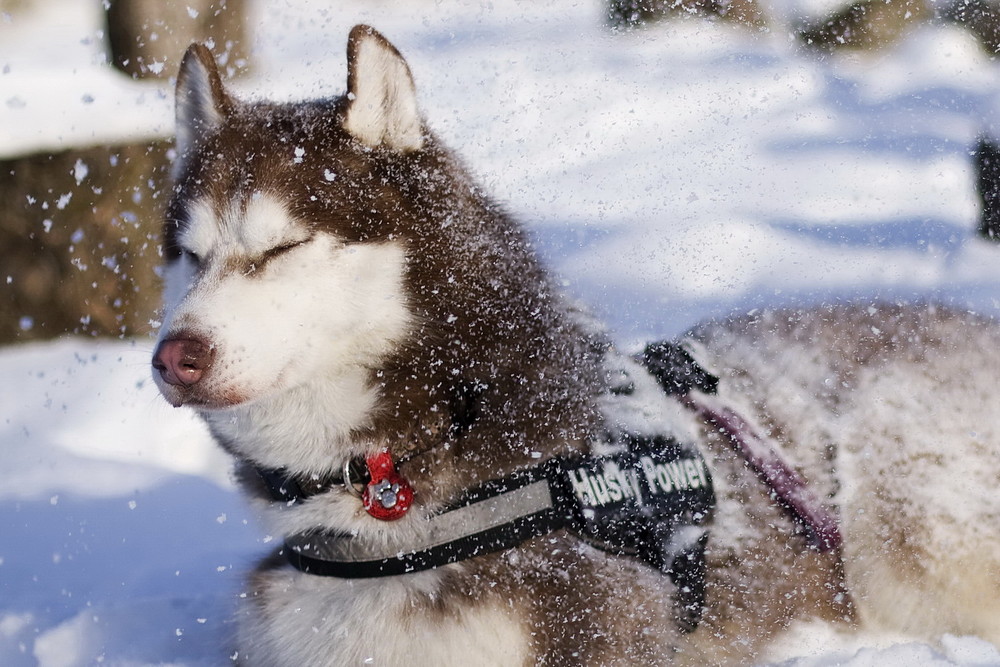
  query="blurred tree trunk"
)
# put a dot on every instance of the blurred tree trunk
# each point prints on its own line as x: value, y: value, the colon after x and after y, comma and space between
x: 79, y: 241
x: 148, y: 37
x: 986, y: 160
x: 867, y: 24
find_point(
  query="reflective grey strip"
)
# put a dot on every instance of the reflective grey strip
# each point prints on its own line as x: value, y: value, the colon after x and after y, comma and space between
x: 439, y: 529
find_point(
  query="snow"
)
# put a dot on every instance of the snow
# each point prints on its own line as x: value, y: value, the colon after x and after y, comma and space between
x: 669, y: 174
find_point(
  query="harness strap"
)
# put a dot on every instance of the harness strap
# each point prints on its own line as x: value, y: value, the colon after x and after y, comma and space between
x: 526, y: 509
x: 650, y: 501
x: 679, y: 373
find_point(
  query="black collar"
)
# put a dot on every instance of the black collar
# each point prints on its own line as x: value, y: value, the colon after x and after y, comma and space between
x: 288, y: 488
x: 463, y: 410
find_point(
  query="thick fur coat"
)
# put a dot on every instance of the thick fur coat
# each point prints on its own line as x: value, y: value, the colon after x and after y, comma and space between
x: 336, y: 283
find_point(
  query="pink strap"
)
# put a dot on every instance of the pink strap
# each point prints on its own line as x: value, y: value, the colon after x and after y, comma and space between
x: 787, y: 486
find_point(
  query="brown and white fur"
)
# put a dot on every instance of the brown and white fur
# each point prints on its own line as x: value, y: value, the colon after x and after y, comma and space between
x: 335, y: 279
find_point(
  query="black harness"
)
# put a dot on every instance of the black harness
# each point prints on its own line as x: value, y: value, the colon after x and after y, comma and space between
x: 650, y: 502
x: 649, y: 498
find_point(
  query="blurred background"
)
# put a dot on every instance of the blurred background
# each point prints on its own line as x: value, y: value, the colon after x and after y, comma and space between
x: 812, y: 132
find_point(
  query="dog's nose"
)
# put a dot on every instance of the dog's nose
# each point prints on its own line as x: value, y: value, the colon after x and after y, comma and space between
x: 182, y: 361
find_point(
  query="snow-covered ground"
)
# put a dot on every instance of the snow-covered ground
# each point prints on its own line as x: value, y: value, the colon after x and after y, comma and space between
x: 669, y: 174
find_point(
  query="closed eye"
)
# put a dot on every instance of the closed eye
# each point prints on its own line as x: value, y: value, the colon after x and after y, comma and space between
x: 281, y: 249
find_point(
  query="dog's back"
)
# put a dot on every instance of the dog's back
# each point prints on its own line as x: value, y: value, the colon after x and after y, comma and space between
x: 890, y: 412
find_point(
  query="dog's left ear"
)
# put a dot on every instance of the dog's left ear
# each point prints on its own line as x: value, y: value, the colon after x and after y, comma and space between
x: 382, y: 108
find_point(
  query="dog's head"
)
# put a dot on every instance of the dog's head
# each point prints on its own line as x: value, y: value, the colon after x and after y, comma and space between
x: 285, y: 267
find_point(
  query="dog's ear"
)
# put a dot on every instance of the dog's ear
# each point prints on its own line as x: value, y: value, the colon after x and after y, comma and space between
x: 382, y: 107
x: 201, y: 100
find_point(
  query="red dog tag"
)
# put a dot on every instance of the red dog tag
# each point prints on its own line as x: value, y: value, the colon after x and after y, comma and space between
x: 388, y: 496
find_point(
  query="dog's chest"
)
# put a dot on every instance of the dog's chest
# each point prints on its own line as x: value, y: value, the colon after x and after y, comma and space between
x: 417, y: 619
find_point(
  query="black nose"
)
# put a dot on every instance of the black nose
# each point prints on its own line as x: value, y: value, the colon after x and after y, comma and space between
x: 182, y: 362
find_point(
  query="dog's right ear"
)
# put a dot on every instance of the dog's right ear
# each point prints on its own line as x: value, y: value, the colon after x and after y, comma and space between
x: 201, y: 101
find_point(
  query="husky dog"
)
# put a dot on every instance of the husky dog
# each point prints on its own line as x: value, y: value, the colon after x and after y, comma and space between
x: 352, y: 316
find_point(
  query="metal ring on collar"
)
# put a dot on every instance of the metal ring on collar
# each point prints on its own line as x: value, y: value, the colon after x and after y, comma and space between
x: 353, y: 490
